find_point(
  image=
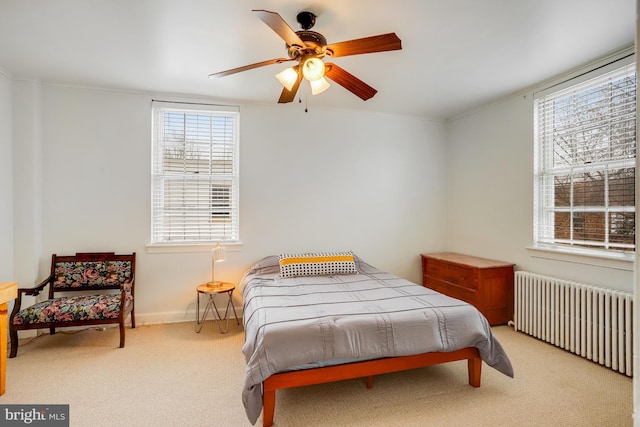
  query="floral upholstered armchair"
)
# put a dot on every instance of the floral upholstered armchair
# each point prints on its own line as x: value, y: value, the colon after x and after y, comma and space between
x: 110, y: 277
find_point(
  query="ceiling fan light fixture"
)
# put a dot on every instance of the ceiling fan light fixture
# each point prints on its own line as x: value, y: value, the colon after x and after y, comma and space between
x: 287, y: 77
x: 313, y: 69
x: 319, y: 85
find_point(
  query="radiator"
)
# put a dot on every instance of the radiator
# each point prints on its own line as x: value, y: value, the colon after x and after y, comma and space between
x: 590, y: 321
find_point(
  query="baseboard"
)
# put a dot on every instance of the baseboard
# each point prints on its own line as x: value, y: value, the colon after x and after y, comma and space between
x: 176, y: 316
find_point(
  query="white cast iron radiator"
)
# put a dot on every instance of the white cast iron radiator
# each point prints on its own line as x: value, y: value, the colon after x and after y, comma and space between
x: 590, y: 321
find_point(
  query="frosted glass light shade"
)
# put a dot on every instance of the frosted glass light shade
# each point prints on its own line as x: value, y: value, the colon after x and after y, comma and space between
x: 319, y: 86
x: 287, y: 78
x: 313, y: 69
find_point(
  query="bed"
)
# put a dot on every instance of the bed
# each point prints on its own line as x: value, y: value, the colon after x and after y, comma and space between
x: 357, y: 321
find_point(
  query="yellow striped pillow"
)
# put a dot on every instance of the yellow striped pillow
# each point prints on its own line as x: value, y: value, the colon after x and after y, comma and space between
x: 317, y: 264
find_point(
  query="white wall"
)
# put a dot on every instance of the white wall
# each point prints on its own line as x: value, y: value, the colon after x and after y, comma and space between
x: 322, y: 180
x: 387, y: 187
x: 490, y: 193
x: 327, y: 180
x: 6, y: 180
x: 636, y: 272
x: 27, y: 177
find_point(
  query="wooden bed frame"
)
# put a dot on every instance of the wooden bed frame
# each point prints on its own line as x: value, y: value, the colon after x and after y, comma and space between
x: 366, y: 369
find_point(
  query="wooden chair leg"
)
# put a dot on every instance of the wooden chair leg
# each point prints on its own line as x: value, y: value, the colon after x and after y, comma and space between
x: 122, y: 334
x: 13, y: 336
x: 4, y: 308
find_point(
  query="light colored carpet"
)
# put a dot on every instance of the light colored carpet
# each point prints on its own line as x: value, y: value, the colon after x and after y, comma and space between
x: 167, y: 375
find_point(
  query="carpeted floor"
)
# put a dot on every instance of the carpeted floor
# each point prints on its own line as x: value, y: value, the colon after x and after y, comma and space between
x: 167, y: 375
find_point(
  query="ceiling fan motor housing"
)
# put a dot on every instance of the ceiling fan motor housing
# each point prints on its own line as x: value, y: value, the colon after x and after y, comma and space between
x: 315, y: 45
x: 306, y: 20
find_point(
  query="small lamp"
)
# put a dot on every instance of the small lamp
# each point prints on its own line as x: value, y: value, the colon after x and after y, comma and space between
x: 218, y: 254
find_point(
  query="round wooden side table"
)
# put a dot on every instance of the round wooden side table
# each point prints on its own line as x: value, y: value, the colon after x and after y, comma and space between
x: 211, y: 291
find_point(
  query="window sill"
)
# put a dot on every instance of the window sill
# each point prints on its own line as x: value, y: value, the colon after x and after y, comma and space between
x: 618, y: 261
x: 176, y: 248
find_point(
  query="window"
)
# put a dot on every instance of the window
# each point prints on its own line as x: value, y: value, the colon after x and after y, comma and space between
x: 194, y: 174
x: 585, y: 136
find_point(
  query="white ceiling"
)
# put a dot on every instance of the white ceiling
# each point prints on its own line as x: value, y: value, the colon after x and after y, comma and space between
x: 457, y: 54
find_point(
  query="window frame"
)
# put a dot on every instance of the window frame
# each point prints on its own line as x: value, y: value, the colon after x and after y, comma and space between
x: 229, y: 236
x: 592, y: 256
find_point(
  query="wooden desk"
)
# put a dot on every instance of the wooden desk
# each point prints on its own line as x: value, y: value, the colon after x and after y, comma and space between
x: 8, y: 292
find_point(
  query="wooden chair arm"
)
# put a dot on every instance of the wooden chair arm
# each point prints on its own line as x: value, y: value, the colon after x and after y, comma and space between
x: 127, y: 286
x: 34, y: 291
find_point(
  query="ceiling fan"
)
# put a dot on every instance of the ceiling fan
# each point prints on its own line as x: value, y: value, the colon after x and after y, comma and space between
x: 308, y: 49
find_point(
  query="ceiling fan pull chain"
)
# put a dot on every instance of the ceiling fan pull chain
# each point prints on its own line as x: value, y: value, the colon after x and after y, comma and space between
x: 305, y: 103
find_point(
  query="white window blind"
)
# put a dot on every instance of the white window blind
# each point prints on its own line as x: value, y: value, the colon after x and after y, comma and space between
x: 194, y: 174
x: 585, y: 138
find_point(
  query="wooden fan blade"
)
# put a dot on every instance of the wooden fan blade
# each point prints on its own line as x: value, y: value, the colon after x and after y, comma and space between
x: 380, y: 43
x: 349, y: 81
x: 280, y: 26
x: 249, y: 67
x: 289, y: 95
